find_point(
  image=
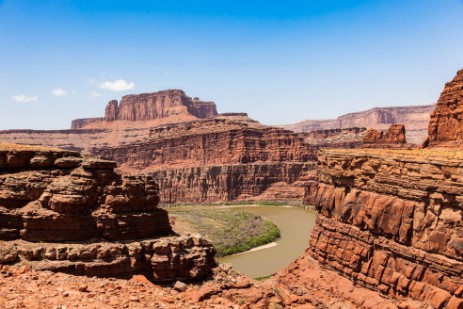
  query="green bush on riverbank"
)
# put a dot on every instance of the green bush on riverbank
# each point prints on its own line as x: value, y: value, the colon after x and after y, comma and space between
x: 231, y: 231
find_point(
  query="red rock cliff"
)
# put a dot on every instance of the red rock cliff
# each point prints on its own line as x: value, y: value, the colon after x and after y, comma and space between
x: 61, y: 212
x: 151, y: 106
x: 392, y: 221
x: 415, y: 119
x: 392, y: 137
x: 446, y: 124
x: 225, y: 158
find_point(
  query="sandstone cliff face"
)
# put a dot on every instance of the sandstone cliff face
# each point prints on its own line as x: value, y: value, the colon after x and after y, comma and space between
x: 216, y: 141
x: 392, y: 137
x: 228, y: 182
x: 224, y: 158
x: 202, y: 145
x: 415, y: 119
x: 62, y: 212
x: 446, y: 124
x: 393, y: 221
x: 151, y: 106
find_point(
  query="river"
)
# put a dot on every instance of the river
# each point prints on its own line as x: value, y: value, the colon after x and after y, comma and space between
x: 295, y: 224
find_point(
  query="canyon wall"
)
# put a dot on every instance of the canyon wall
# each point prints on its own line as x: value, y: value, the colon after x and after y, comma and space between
x: 172, y: 104
x: 221, y: 159
x: 62, y: 212
x: 415, y: 119
x: 393, y: 221
x: 209, y: 142
x: 227, y: 182
x: 394, y: 137
x: 196, y: 159
x: 203, y: 160
x: 446, y: 124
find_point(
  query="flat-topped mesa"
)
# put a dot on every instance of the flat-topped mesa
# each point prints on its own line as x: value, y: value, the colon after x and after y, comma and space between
x: 446, y: 124
x: 394, y: 137
x: 62, y: 212
x: 173, y: 104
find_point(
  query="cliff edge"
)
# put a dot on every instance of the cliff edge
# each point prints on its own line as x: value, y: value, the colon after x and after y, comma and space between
x: 164, y: 106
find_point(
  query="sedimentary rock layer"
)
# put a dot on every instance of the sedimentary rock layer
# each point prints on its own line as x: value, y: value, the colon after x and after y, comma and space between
x: 233, y: 182
x: 415, y: 119
x: 161, y: 259
x: 59, y: 196
x: 390, y: 138
x: 62, y: 212
x: 446, y: 124
x: 393, y: 221
x: 216, y: 141
x: 151, y: 106
x: 227, y: 139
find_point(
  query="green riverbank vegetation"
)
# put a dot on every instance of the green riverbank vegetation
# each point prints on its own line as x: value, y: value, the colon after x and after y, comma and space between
x: 231, y: 231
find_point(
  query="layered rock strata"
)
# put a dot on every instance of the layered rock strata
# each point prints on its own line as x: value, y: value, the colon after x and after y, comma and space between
x: 208, y: 142
x: 446, y: 124
x: 229, y: 182
x: 62, y: 212
x: 415, y: 119
x: 173, y: 104
x: 209, y: 147
x: 393, y: 221
x: 225, y: 158
x: 394, y: 137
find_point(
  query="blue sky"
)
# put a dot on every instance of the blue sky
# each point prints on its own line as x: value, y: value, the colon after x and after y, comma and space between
x: 280, y: 61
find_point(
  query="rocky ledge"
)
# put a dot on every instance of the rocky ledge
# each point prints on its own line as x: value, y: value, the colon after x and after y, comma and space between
x: 62, y: 212
x: 392, y: 220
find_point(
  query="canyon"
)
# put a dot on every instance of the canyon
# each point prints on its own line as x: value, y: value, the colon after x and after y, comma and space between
x: 415, y: 119
x: 219, y: 158
x: 388, y: 231
x: 392, y: 220
x: 197, y: 155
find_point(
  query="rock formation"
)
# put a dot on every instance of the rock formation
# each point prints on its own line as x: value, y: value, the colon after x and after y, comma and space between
x: 446, y: 124
x: 224, y: 158
x: 391, y: 138
x: 336, y: 138
x: 62, y: 212
x: 392, y: 221
x: 144, y: 108
x: 415, y: 119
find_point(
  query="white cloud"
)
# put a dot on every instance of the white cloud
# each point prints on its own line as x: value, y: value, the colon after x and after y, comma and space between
x: 59, y: 92
x: 117, y: 85
x: 94, y: 94
x: 23, y: 98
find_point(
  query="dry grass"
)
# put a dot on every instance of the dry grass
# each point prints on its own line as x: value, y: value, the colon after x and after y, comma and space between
x: 19, y: 147
x: 437, y: 153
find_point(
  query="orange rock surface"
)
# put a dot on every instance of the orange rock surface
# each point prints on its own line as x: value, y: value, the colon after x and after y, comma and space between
x: 392, y: 221
x: 62, y: 212
x: 446, y: 124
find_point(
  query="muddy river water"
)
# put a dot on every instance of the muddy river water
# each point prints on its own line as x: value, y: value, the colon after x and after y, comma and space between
x: 295, y: 225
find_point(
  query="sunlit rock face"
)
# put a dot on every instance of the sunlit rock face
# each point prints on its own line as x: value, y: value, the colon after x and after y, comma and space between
x: 446, y: 124
x: 62, y: 212
x: 392, y: 220
x: 149, y: 107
